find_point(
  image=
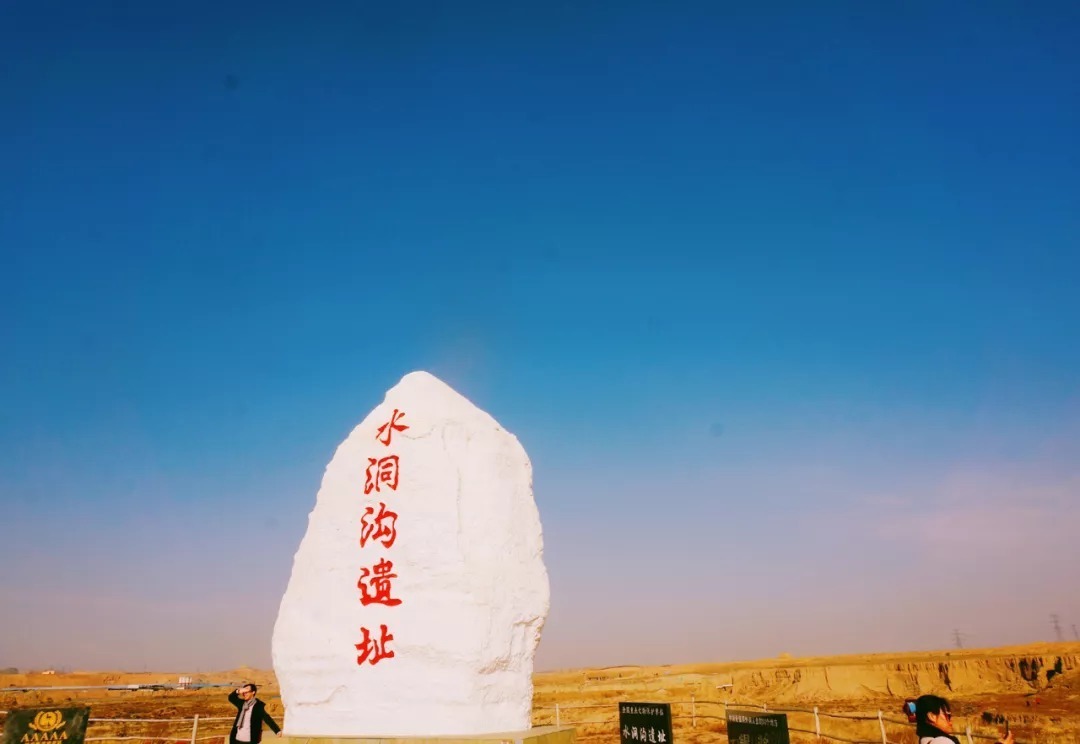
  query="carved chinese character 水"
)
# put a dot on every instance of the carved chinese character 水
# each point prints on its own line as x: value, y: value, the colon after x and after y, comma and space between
x: 386, y: 431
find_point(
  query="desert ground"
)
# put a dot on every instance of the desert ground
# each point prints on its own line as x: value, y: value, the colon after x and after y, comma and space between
x: 1037, y: 687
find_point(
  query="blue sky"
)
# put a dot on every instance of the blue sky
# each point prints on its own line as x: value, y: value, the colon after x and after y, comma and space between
x: 781, y: 300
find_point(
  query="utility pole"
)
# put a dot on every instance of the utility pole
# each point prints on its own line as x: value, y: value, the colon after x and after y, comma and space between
x: 1057, y: 627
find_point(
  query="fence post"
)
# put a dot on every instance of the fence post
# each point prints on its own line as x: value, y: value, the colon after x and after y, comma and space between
x: 195, y: 728
x: 881, y: 723
x: 557, y: 721
x: 693, y: 712
x: 817, y: 723
x: 967, y: 731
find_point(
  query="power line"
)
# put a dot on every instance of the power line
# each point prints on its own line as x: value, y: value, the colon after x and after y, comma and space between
x: 1057, y: 627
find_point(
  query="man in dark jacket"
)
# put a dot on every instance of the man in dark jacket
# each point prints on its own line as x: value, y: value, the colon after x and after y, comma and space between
x: 250, y: 715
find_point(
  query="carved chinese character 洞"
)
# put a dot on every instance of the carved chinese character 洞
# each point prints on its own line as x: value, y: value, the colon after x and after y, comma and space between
x: 374, y: 650
x: 380, y: 472
x: 381, y: 527
x: 386, y: 431
x: 374, y: 584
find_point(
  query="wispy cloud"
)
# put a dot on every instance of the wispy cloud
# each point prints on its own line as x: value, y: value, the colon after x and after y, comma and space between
x: 986, y: 508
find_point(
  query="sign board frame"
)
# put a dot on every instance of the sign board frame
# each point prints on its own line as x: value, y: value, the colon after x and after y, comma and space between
x: 52, y: 725
x: 645, y: 723
x: 752, y: 727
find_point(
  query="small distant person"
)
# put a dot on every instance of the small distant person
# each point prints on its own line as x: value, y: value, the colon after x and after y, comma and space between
x: 933, y: 722
x: 250, y: 715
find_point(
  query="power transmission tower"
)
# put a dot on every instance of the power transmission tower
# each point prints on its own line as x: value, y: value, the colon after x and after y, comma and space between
x: 1057, y: 627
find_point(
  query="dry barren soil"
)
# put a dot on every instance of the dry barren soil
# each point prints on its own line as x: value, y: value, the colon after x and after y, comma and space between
x: 1036, y: 687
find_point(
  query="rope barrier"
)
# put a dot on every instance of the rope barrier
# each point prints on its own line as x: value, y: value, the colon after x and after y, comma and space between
x: 562, y: 709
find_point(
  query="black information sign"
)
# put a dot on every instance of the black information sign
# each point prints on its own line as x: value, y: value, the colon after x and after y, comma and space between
x: 645, y: 723
x: 746, y: 727
x: 46, y: 725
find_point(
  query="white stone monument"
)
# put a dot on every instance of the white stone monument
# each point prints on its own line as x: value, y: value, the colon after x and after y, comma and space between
x: 419, y: 591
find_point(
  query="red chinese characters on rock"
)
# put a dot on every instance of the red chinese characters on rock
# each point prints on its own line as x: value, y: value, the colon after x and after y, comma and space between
x: 380, y: 472
x: 374, y: 584
x: 374, y: 650
x: 379, y: 525
x: 386, y: 431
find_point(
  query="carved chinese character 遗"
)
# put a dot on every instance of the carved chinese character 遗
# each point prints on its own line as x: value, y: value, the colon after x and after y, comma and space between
x: 386, y: 431
x: 374, y: 650
x: 374, y: 584
x: 383, y: 471
x: 381, y: 527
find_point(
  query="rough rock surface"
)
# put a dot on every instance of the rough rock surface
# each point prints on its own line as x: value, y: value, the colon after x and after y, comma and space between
x: 453, y: 569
